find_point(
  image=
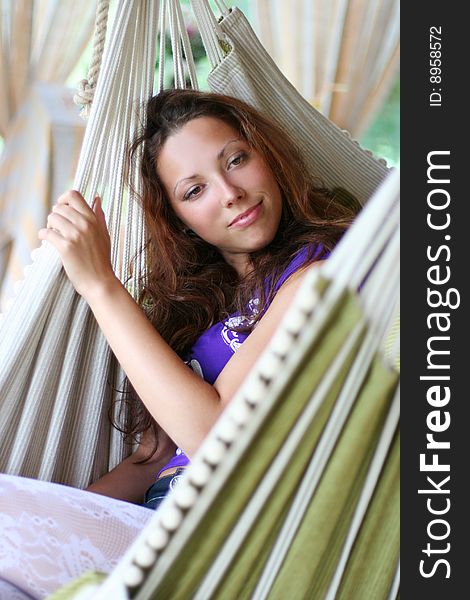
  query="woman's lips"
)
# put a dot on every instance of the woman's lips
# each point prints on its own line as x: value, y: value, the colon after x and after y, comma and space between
x: 248, y: 217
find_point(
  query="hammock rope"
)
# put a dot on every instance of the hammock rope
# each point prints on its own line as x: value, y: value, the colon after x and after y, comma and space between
x: 86, y: 87
x: 210, y: 31
x: 183, y: 32
x: 161, y: 61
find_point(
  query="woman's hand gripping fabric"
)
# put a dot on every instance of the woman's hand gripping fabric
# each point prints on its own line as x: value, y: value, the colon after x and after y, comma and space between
x: 80, y: 235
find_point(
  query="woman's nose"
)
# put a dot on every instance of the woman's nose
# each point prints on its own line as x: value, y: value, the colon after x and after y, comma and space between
x: 229, y: 192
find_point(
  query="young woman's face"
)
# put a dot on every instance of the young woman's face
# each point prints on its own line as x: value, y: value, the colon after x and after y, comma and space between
x: 221, y: 188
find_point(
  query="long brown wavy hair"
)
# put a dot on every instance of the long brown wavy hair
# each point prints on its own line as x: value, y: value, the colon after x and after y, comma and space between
x: 187, y: 286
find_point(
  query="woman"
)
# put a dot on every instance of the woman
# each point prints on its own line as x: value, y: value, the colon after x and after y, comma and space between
x: 233, y: 220
x: 228, y: 207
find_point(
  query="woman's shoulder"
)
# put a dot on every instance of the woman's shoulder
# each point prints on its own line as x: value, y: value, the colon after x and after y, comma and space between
x: 305, y: 256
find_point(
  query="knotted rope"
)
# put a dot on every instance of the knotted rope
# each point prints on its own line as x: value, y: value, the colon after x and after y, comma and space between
x: 86, y: 87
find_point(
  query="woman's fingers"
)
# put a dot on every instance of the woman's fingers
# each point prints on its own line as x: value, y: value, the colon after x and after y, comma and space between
x: 50, y: 235
x: 80, y: 235
x: 98, y: 210
x: 75, y: 200
x: 67, y: 225
x: 72, y: 209
x: 67, y: 221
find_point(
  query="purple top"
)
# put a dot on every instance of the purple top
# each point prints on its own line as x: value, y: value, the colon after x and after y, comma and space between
x: 216, y: 346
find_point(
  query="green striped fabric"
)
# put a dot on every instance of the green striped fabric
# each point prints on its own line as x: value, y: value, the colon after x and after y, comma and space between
x: 311, y: 561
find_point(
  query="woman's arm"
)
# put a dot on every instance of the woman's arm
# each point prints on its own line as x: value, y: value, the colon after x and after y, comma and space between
x: 130, y: 479
x: 183, y: 404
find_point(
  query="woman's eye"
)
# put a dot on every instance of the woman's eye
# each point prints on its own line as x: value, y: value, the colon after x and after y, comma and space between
x: 236, y: 160
x: 193, y: 192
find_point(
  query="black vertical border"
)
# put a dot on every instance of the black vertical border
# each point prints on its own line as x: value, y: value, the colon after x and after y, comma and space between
x: 425, y: 129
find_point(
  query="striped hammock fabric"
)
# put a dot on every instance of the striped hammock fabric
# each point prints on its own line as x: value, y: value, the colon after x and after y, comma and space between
x: 57, y: 378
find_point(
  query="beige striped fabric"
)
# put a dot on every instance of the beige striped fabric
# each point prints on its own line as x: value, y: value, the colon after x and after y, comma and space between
x: 57, y: 379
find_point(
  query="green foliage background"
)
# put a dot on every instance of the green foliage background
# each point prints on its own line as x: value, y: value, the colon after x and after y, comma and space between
x: 383, y: 135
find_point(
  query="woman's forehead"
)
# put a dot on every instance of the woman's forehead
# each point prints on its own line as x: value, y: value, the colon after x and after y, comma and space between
x: 196, y: 145
x: 202, y: 131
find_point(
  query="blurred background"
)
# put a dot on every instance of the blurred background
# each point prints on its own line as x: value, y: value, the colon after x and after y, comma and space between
x: 342, y: 55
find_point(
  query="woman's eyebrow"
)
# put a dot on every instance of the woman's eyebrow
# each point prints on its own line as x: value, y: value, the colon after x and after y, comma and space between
x: 221, y: 153
x: 182, y: 180
x: 219, y: 156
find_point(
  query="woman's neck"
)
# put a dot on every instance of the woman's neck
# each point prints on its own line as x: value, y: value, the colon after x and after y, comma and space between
x: 241, y: 262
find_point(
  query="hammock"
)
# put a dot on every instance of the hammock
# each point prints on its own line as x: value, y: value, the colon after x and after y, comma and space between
x: 54, y: 404
x: 294, y: 493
